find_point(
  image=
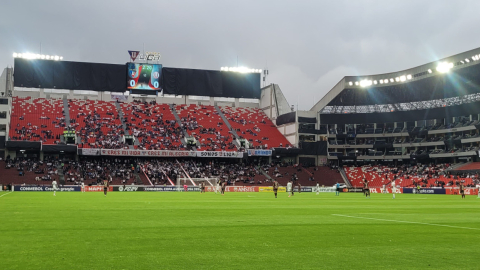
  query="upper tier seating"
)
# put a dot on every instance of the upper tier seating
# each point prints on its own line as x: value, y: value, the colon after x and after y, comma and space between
x: 205, y: 124
x: 98, y: 124
x: 254, y: 125
x: 37, y: 120
x: 154, y: 125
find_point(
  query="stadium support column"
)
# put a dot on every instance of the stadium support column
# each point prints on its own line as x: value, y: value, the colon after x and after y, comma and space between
x: 42, y: 93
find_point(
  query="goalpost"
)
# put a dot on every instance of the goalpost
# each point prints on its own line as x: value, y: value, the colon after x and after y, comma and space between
x: 209, y: 182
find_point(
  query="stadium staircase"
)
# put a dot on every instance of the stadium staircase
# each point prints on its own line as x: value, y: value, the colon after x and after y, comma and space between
x: 225, y: 120
x: 139, y: 179
x: 124, y: 125
x: 255, y: 126
x: 264, y: 173
x: 345, y: 178
x: 61, y: 175
x: 464, y: 166
x: 66, y: 111
x: 179, y: 122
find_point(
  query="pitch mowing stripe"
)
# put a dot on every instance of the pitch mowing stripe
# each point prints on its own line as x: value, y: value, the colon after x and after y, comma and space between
x: 410, y: 222
x: 5, y: 194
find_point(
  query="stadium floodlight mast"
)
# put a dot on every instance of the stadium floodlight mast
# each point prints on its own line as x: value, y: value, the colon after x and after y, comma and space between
x: 241, y: 69
x: 33, y: 56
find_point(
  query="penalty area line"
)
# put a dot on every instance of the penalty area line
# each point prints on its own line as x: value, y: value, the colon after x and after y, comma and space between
x: 409, y: 222
x: 5, y: 194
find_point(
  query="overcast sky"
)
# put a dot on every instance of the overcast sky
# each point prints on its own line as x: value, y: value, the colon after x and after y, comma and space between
x: 308, y: 45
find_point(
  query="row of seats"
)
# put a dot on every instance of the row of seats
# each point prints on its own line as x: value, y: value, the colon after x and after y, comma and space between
x: 154, y: 126
x: 205, y: 124
x: 37, y: 120
x: 99, y: 125
x: 255, y: 126
x: 377, y: 176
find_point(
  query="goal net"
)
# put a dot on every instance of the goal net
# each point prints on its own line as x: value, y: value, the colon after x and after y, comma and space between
x: 209, y: 182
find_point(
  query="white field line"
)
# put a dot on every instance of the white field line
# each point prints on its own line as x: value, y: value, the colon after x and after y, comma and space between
x: 410, y: 222
x: 5, y: 194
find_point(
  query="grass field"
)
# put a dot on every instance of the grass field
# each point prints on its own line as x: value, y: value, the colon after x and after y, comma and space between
x: 161, y: 230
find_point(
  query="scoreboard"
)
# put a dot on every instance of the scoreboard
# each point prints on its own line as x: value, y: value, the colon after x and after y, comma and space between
x: 143, y: 76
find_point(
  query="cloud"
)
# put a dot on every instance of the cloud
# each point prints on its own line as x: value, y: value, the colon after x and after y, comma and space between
x: 307, y: 45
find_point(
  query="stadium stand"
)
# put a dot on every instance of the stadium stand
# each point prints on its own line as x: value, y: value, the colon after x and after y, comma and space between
x: 204, y: 123
x: 98, y: 124
x: 154, y: 125
x: 406, y: 176
x: 37, y: 119
x: 253, y: 125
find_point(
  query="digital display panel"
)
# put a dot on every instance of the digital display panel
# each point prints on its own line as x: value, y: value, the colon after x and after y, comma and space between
x: 143, y: 76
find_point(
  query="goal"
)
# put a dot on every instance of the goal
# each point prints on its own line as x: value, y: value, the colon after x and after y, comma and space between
x: 209, y: 182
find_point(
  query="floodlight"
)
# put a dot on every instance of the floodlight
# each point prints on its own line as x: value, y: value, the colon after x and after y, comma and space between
x: 350, y: 83
x: 48, y: 57
x: 403, y: 78
x: 466, y: 60
x: 391, y: 80
x: 375, y: 82
x: 356, y: 83
x: 14, y: 55
x: 57, y: 58
x: 409, y: 77
x: 444, y: 67
x: 397, y: 79
x: 429, y: 71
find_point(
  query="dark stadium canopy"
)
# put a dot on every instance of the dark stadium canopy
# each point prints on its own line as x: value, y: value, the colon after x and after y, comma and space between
x: 462, y: 82
x: 113, y: 78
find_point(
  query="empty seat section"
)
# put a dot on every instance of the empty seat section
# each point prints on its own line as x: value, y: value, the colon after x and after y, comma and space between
x: 254, y: 125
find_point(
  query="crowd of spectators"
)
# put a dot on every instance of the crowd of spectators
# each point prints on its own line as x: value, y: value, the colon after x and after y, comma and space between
x: 233, y: 173
x: 97, y: 130
x: 424, y: 175
x: 145, y: 120
x: 212, y: 137
x: 45, y: 170
x: 29, y: 131
x: 92, y: 171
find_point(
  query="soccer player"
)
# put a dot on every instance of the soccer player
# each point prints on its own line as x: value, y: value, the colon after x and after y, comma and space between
x: 105, y: 187
x: 289, y: 188
x: 83, y: 187
x: 185, y: 188
x: 394, y: 188
x: 462, y: 190
x: 318, y: 188
x: 299, y: 188
x: 217, y: 188
x: 366, y: 189
x: 54, y: 187
x: 202, y: 187
x: 275, y: 187
x: 223, y: 187
x: 337, y: 190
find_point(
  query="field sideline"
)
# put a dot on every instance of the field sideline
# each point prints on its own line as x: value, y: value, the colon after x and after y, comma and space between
x: 163, y: 230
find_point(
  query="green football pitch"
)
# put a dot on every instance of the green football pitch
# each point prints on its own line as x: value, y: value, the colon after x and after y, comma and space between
x: 161, y: 230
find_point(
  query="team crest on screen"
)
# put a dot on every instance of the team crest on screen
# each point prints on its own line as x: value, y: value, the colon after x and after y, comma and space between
x: 156, y: 75
x: 133, y: 73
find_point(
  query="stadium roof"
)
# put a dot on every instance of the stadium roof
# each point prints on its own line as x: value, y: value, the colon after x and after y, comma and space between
x: 450, y: 81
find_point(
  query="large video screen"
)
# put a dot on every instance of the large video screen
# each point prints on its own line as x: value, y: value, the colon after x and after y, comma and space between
x: 143, y: 76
